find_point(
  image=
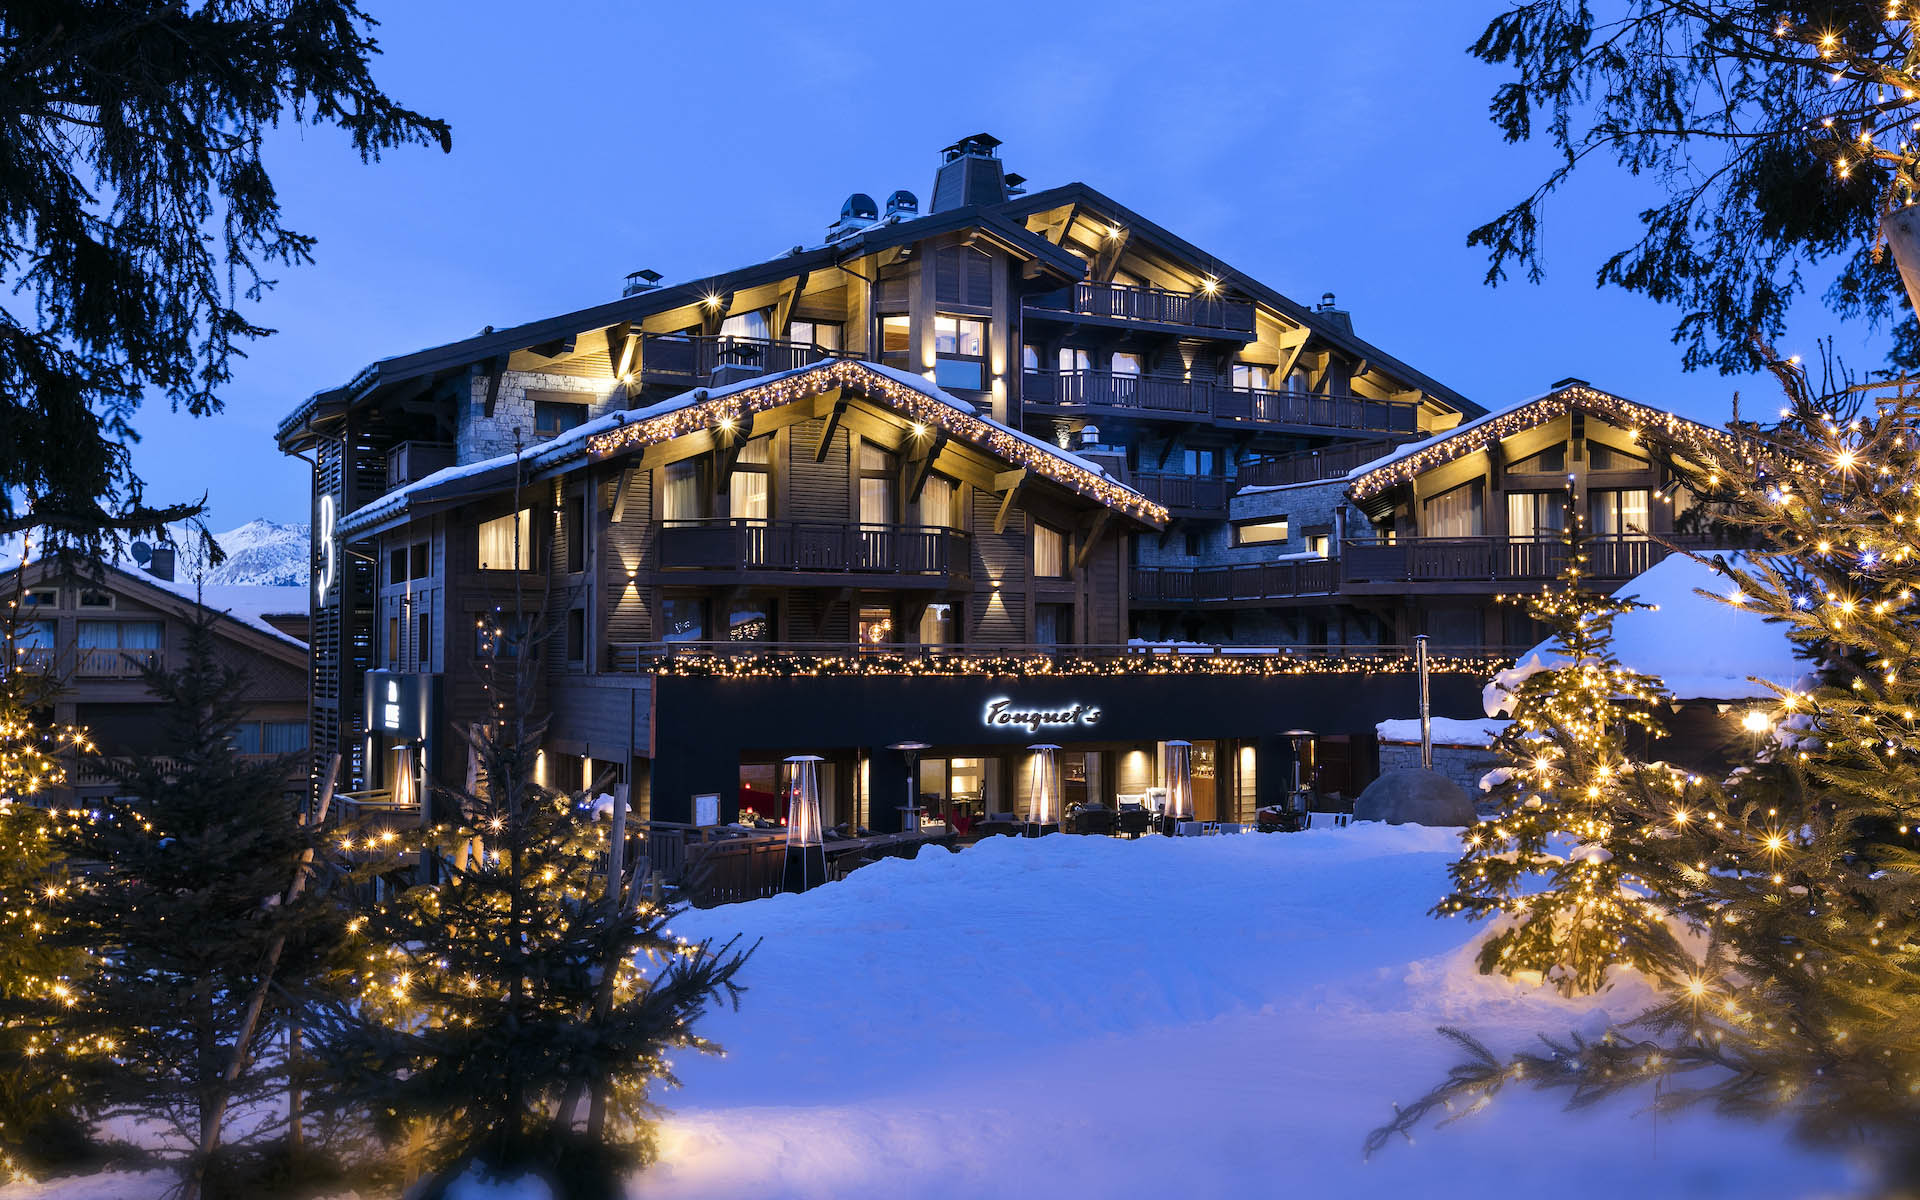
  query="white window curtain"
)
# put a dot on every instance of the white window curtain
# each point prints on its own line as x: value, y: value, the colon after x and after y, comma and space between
x: 876, y: 501
x: 682, y: 499
x: 748, y: 497
x: 936, y: 501
x: 140, y: 635
x: 1618, y: 511
x: 746, y: 325
x: 506, y: 543
x: 97, y: 635
x: 1049, y: 552
x: 1455, y: 513
x: 1536, y: 514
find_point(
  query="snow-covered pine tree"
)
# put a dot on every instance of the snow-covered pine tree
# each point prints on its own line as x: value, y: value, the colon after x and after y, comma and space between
x: 181, y: 905
x: 1550, y: 863
x: 503, y: 1005
x: 37, y: 1121
x: 1801, y: 870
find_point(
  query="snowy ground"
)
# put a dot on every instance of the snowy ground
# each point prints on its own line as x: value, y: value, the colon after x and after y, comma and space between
x: 1090, y: 1017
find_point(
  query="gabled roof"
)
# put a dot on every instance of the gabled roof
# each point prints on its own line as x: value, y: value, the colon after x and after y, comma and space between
x: 1401, y: 465
x: 495, y: 343
x: 620, y: 433
x: 241, y: 608
x: 1334, y: 333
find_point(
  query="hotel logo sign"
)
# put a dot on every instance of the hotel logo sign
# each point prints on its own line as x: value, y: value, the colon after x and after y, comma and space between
x: 1003, y: 713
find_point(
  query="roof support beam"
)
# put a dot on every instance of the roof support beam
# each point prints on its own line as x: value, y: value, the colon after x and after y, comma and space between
x: 494, y: 368
x: 711, y: 315
x: 726, y: 445
x: 1007, y: 483
x: 835, y: 412
x: 920, y: 463
x: 1092, y: 539
x: 621, y: 483
x: 783, y: 307
x: 621, y: 345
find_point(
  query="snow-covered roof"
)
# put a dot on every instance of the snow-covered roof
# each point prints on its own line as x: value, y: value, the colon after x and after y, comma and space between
x: 1403, y: 463
x: 702, y: 408
x: 1702, y: 648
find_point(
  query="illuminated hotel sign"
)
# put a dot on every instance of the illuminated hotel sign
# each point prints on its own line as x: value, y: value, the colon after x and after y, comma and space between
x: 1001, y: 713
x: 397, y: 704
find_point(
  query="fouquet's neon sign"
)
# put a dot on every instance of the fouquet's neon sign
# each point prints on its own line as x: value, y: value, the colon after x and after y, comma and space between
x: 1000, y: 713
x: 327, y: 521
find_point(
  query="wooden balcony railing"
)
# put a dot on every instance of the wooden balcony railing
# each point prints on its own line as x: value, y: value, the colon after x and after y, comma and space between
x: 113, y: 662
x: 677, y: 358
x: 824, y: 547
x: 1247, y: 581
x: 1124, y: 302
x: 1310, y: 466
x: 1172, y: 490
x: 1498, y: 559
x: 1151, y: 395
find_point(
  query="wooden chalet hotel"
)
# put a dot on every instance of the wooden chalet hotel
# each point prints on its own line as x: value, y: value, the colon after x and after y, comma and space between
x: 933, y: 479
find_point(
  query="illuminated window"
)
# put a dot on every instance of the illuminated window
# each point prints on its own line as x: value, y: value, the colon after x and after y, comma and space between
x: 1618, y: 510
x: 876, y: 624
x: 1075, y: 360
x: 938, y: 624
x: 750, y: 490
x: 1251, y: 375
x: 1536, y: 514
x: 684, y: 496
x: 896, y: 339
x: 876, y: 485
x: 1455, y: 513
x: 751, y: 618
x: 506, y: 543
x: 960, y: 353
x: 1319, y: 544
x: 1126, y: 364
x: 824, y: 334
x: 1049, y: 552
x: 936, y: 502
x: 1264, y: 531
x: 683, y: 619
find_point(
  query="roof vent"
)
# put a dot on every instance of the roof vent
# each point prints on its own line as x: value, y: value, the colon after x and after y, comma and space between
x: 1332, y: 313
x: 903, y: 203
x: 643, y: 280
x: 856, y: 214
x: 970, y: 173
x: 1326, y: 302
x: 1016, y: 184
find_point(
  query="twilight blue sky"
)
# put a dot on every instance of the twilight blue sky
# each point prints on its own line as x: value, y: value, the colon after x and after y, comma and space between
x: 1317, y: 147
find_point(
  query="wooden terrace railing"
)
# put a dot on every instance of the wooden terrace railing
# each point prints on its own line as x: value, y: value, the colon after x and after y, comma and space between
x: 1500, y: 559
x: 1247, y: 581
x: 1126, y: 302
x: 1151, y: 395
x: 830, y: 547
x: 681, y: 358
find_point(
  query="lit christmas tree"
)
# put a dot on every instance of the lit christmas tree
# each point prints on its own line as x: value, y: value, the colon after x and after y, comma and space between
x: 1552, y: 863
x: 513, y: 1014
x: 182, y: 910
x: 36, y: 1091
x: 1800, y: 870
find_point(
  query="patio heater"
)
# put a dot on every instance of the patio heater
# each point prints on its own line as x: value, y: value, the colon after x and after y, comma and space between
x: 1176, y: 768
x: 406, y: 791
x: 910, y: 811
x: 1043, y: 799
x: 806, y: 861
x: 1300, y: 798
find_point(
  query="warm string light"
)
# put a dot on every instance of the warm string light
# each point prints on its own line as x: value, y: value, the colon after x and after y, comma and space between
x: 1040, y: 664
x: 1485, y: 433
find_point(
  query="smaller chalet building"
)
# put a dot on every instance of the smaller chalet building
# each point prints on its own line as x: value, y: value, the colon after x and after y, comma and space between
x: 1420, y: 539
x: 96, y: 629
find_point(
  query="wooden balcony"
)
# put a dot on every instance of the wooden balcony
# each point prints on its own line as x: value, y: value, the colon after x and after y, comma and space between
x: 1123, y: 304
x: 410, y: 462
x: 1310, y: 466
x: 899, y: 555
x: 677, y: 359
x: 1490, y: 563
x: 113, y: 662
x: 1150, y: 396
x: 1185, y: 494
x: 1177, y: 587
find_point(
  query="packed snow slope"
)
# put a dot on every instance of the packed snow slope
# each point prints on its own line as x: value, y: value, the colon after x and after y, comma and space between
x: 1080, y: 1016
x: 1086, y: 1017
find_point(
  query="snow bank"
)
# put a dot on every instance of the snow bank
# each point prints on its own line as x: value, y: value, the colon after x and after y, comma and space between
x: 1447, y: 731
x: 1068, y: 1017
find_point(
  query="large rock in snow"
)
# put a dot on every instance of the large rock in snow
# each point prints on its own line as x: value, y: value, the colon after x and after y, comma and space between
x: 1414, y: 797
